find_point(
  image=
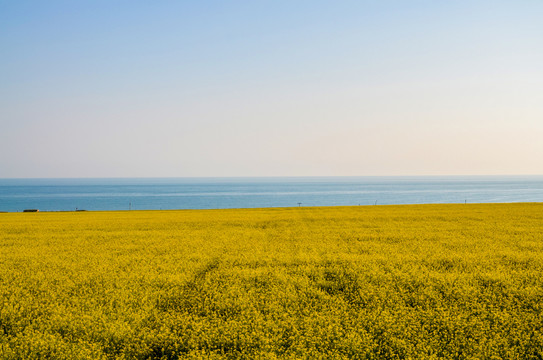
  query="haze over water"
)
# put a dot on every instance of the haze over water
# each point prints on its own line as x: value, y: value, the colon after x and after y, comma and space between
x: 211, y: 193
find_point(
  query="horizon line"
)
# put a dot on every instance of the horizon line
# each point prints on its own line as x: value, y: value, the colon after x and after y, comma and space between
x: 268, y: 176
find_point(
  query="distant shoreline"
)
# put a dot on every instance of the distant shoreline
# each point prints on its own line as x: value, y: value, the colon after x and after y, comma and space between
x: 282, y: 207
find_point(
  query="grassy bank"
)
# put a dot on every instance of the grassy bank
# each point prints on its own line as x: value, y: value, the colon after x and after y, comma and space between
x: 375, y: 282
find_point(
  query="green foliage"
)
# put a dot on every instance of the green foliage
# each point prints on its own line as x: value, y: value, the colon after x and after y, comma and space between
x: 378, y: 282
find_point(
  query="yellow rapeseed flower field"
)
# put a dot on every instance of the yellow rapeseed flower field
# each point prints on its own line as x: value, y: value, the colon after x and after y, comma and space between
x: 370, y: 282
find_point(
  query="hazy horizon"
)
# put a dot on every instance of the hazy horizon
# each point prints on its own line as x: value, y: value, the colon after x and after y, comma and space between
x: 281, y: 178
x: 96, y: 89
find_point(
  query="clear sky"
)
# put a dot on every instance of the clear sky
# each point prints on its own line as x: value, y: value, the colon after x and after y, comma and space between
x: 270, y: 88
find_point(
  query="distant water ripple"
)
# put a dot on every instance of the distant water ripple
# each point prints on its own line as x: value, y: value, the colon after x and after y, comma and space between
x: 208, y: 193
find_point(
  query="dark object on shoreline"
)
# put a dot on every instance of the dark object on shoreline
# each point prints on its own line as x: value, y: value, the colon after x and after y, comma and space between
x: 31, y: 210
x: 77, y: 210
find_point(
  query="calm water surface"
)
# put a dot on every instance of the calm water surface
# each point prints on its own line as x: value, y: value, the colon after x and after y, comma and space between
x: 210, y: 193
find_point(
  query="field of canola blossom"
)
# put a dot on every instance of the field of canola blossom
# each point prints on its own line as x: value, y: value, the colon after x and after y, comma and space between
x: 370, y: 282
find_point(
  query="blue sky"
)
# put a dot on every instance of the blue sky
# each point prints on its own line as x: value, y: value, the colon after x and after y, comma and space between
x: 270, y: 88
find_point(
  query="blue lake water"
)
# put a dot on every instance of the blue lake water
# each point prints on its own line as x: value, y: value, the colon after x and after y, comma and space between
x: 210, y: 193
